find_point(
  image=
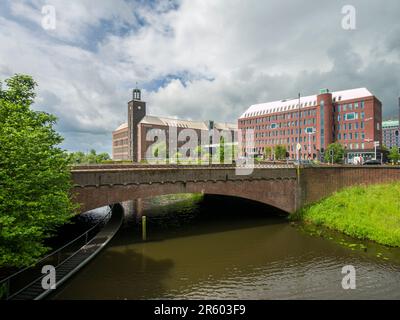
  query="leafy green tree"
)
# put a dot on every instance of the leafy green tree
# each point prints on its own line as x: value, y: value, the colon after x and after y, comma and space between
x: 76, y: 157
x: 394, y: 154
x: 199, y: 151
x: 91, y: 158
x: 34, y: 176
x: 177, y: 157
x: 104, y: 156
x: 280, y: 152
x: 267, y: 152
x: 221, y: 150
x: 160, y: 148
x: 338, y: 153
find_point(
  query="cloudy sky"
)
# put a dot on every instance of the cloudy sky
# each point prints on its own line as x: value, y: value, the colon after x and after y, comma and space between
x: 195, y: 59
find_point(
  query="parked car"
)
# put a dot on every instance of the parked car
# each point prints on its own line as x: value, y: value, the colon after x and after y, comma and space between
x: 372, y: 162
x: 304, y: 162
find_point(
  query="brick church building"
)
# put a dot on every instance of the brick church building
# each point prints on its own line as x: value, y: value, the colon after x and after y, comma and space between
x: 129, y: 140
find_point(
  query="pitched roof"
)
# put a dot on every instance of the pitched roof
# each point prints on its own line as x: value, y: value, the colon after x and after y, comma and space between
x: 122, y: 126
x: 163, y: 121
x: 291, y: 104
x: 201, y: 125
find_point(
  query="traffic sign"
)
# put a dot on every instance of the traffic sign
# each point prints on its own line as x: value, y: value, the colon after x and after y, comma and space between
x: 298, y: 147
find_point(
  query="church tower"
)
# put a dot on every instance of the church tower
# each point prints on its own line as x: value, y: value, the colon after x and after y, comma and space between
x: 136, y: 112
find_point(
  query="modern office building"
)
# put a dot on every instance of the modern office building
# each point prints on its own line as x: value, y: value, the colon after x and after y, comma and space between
x: 350, y: 117
x: 391, y: 133
x: 131, y: 139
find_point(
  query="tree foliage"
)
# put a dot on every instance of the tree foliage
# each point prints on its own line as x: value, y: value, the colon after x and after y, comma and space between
x: 338, y: 153
x: 92, y: 157
x: 35, y: 181
x: 267, y: 153
x: 280, y: 152
x: 394, y: 154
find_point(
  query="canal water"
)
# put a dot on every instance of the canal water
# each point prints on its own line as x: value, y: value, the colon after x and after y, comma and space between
x: 215, y: 247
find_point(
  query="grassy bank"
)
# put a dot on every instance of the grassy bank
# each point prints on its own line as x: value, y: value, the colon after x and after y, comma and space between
x: 364, y: 212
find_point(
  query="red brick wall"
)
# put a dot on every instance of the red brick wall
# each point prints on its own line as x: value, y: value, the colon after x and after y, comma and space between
x: 317, y: 183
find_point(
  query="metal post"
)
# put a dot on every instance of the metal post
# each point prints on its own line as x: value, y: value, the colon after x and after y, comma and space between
x: 144, y: 235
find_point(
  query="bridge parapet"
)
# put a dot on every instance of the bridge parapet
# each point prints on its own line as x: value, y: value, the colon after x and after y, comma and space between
x: 137, y: 176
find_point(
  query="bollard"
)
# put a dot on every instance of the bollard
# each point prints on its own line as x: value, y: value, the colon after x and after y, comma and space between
x: 144, y: 228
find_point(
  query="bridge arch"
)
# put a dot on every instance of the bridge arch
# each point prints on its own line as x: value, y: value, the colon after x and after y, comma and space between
x: 276, y: 193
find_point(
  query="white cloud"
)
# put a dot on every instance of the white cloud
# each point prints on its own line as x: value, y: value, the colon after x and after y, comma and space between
x: 226, y: 56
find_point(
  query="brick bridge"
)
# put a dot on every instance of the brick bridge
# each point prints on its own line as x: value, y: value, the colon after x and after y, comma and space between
x: 281, y: 187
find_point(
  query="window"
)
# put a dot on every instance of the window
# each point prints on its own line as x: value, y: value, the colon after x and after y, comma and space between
x: 349, y: 116
x: 362, y: 105
x: 350, y: 106
x: 356, y: 105
x: 344, y: 107
x: 338, y: 108
x: 362, y: 115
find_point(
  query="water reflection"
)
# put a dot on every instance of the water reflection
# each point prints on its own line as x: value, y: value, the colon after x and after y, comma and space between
x: 220, y: 247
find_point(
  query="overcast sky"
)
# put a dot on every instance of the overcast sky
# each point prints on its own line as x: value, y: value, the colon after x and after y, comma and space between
x: 195, y: 59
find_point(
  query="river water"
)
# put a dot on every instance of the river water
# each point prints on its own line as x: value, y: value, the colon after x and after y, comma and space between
x: 216, y: 247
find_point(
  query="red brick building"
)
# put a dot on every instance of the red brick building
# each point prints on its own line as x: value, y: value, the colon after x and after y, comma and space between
x: 350, y: 117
